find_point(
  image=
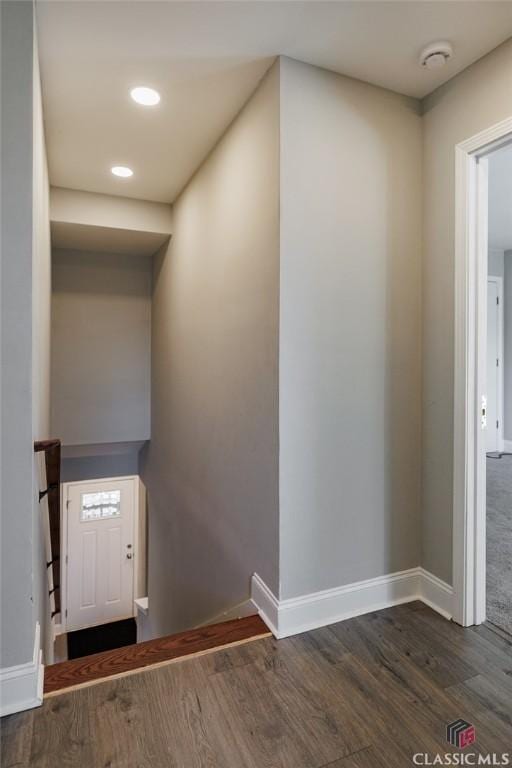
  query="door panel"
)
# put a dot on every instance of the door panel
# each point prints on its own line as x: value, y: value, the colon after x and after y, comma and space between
x: 492, y: 367
x: 114, y: 554
x: 100, y: 538
x: 88, y: 586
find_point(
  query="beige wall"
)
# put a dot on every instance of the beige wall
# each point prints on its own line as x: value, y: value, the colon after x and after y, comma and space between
x: 17, y: 625
x: 471, y: 102
x: 42, y: 261
x: 25, y: 351
x: 350, y: 359
x: 212, y: 466
x: 101, y: 347
x: 71, y: 206
x: 41, y: 328
x: 88, y: 221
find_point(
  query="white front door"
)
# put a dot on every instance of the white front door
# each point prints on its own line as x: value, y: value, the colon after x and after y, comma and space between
x: 493, y: 366
x: 100, y: 552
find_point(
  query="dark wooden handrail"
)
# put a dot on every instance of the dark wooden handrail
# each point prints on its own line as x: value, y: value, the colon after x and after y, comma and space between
x: 46, y: 445
x: 51, y: 450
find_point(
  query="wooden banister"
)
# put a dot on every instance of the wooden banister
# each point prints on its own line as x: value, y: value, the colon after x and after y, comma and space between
x: 51, y: 449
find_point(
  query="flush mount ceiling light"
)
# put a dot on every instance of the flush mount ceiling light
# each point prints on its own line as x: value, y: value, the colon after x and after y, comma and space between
x: 435, y: 55
x: 122, y: 171
x: 148, y: 97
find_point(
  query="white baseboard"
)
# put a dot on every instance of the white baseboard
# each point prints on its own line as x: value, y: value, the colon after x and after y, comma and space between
x: 507, y: 446
x: 435, y: 593
x: 21, y: 686
x: 267, y: 604
x: 141, y: 605
x: 301, y: 614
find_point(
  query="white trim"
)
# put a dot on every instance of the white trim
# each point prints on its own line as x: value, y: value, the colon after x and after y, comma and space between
x: 64, y: 539
x: 507, y: 446
x: 63, y: 564
x: 141, y: 605
x: 21, y: 686
x: 489, y: 139
x: 266, y: 603
x: 307, y: 612
x: 435, y: 593
x: 471, y: 246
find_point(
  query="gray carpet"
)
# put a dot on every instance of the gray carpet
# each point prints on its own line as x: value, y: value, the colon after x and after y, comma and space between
x: 499, y: 542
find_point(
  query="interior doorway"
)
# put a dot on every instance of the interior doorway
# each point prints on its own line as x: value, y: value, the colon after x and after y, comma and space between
x: 478, y: 388
x: 499, y: 393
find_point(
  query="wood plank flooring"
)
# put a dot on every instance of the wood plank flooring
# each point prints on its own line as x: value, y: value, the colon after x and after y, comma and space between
x: 120, y: 661
x: 369, y: 692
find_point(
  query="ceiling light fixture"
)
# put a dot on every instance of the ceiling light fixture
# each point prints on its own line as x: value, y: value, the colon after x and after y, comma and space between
x: 122, y: 171
x: 148, y: 97
x: 435, y: 55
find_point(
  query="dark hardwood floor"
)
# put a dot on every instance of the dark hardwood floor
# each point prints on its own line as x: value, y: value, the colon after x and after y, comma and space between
x: 365, y: 693
x: 117, y: 661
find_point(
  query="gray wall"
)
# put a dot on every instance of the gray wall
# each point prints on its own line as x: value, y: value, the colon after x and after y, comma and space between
x: 211, y: 469
x: 94, y: 467
x: 495, y: 262
x: 349, y: 402
x: 41, y: 332
x: 24, y: 334
x: 474, y: 100
x: 101, y: 347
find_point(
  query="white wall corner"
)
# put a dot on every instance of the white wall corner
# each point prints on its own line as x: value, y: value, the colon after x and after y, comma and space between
x: 21, y: 686
x: 318, y: 609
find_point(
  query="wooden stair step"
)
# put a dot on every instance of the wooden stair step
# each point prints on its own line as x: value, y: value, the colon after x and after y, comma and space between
x: 150, y: 653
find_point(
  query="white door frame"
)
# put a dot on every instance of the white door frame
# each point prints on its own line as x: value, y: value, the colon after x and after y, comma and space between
x: 500, y: 343
x: 64, y: 539
x: 469, y: 488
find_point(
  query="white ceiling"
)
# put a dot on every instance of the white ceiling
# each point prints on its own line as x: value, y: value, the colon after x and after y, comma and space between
x: 206, y: 58
x: 500, y: 199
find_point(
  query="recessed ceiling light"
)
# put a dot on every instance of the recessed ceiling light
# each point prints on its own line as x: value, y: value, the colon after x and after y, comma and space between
x: 148, y: 97
x: 122, y: 171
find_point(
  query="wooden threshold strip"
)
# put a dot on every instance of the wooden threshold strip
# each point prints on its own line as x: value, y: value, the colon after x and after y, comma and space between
x: 85, y: 671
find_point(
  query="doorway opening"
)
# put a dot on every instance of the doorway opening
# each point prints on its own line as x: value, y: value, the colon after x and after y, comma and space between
x: 499, y: 392
x: 480, y: 384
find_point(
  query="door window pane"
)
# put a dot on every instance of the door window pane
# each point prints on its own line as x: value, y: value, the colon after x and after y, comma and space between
x: 98, y: 506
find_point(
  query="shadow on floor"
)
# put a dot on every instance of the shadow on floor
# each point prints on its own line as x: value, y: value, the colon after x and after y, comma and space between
x: 106, y: 637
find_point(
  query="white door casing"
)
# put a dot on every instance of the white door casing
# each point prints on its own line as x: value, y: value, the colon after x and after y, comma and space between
x: 101, y: 517
x: 470, y: 368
